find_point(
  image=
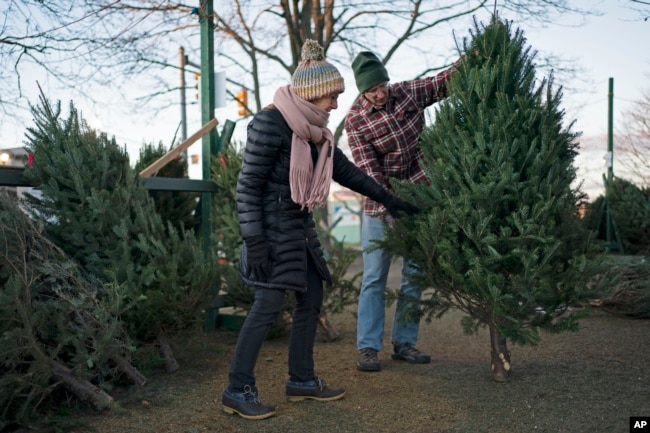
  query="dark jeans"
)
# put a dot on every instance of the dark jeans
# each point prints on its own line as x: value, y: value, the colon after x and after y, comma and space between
x: 264, y: 312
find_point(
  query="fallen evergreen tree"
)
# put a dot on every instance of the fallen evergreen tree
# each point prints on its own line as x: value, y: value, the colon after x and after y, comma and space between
x: 58, y: 328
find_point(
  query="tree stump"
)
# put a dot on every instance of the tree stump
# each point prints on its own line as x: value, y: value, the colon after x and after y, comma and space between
x: 501, y: 371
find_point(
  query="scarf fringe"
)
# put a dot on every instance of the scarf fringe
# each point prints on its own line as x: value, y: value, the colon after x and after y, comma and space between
x: 309, y: 182
x: 300, y: 179
x: 320, y: 189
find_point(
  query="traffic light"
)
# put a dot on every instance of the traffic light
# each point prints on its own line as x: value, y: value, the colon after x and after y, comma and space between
x: 242, y: 102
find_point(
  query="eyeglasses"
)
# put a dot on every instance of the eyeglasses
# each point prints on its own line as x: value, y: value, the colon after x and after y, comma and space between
x: 374, y: 91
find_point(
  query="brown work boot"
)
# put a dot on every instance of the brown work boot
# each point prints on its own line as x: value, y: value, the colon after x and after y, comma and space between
x: 407, y: 352
x: 368, y: 360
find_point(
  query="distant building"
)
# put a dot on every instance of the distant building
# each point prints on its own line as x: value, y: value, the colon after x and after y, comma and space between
x: 14, y: 157
x: 344, y: 209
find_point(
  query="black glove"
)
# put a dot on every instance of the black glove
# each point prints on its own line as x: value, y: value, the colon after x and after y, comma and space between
x: 257, y: 252
x: 396, y: 206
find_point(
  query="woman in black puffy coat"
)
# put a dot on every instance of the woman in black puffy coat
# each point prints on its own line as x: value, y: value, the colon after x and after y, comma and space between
x: 289, y: 162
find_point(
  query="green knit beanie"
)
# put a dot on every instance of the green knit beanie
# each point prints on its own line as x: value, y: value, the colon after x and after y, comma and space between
x: 368, y: 71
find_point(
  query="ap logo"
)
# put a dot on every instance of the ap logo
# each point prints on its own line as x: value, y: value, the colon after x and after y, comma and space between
x: 640, y: 424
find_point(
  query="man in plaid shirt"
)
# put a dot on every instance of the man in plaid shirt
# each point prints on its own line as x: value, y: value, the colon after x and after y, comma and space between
x: 383, y: 128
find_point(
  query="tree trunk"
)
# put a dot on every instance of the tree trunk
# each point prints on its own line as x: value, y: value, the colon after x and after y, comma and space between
x: 167, y: 353
x: 500, y: 356
x: 81, y: 387
x: 130, y: 371
x: 332, y: 333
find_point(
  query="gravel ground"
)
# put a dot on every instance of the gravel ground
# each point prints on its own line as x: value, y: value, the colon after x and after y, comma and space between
x: 592, y: 380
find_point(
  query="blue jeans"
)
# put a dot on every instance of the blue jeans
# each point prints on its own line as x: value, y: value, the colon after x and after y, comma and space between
x: 371, y: 312
x: 264, y: 312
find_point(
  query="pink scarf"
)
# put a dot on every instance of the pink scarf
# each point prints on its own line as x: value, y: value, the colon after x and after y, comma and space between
x: 310, y: 186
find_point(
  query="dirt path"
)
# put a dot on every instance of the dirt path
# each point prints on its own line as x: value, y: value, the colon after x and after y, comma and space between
x: 589, y: 381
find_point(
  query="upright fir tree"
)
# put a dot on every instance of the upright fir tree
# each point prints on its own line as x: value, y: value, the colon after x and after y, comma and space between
x: 499, y: 236
x: 94, y: 209
x: 175, y: 207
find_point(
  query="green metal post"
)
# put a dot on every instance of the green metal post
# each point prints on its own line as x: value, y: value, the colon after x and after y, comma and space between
x: 610, y: 131
x: 610, y: 158
x: 207, y: 108
x: 207, y: 114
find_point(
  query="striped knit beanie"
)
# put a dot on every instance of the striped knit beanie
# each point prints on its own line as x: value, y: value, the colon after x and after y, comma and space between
x: 315, y: 77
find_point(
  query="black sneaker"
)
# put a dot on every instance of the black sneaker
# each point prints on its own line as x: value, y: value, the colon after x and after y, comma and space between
x: 246, y: 404
x: 407, y: 352
x: 368, y: 360
x: 315, y: 389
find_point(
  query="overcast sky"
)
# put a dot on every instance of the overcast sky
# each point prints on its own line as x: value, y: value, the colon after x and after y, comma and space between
x: 612, y: 45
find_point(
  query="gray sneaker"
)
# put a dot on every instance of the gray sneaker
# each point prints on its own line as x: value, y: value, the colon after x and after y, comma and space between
x: 407, y: 352
x: 368, y: 360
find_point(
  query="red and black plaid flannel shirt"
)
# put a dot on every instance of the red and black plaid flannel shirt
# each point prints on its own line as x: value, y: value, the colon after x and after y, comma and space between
x: 384, y: 140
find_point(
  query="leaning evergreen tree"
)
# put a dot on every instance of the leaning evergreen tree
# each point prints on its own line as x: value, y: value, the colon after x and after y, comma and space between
x: 93, y: 207
x: 499, y: 236
x: 60, y: 331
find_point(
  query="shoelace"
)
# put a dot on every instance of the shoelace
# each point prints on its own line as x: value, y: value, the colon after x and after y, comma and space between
x: 320, y: 383
x: 248, y: 391
x: 407, y: 349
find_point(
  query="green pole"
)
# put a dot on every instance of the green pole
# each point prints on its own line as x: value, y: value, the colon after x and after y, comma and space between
x: 610, y: 131
x: 207, y: 113
x: 610, y: 160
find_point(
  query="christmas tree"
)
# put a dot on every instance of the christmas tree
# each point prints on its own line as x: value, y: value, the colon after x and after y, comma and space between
x: 175, y: 207
x: 60, y: 331
x: 93, y: 207
x: 499, y: 236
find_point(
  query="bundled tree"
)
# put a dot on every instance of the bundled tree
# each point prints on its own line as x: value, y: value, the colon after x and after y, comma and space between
x: 58, y: 329
x: 175, y: 207
x: 344, y: 290
x: 625, y: 287
x: 94, y: 209
x: 499, y: 236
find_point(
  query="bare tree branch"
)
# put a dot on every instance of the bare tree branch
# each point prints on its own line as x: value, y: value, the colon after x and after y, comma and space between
x: 83, y: 45
x: 634, y: 142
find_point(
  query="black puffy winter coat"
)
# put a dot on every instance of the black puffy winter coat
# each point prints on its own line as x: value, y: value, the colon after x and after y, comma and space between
x: 265, y: 207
